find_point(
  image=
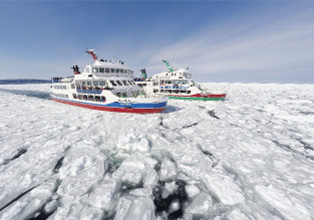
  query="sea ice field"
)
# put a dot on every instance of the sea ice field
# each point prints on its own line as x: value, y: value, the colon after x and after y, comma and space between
x: 248, y: 157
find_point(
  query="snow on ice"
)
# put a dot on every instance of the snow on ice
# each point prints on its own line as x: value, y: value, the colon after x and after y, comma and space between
x: 249, y: 157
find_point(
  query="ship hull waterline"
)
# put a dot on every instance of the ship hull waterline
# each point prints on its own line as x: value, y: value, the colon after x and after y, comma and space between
x: 126, y: 109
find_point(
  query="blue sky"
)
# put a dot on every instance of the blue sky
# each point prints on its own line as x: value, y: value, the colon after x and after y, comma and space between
x: 220, y: 41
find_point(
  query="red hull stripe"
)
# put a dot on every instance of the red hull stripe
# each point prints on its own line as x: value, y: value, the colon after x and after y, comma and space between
x: 111, y: 109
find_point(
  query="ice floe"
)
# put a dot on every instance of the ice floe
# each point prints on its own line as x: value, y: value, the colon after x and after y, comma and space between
x: 249, y: 157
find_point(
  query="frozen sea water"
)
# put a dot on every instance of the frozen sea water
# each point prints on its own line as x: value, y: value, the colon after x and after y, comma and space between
x: 249, y: 157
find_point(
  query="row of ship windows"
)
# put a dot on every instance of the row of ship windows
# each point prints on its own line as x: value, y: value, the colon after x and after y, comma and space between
x: 122, y: 82
x: 82, y: 84
x: 90, y: 98
x: 59, y: 87
x: 168, y: 82
x: 109, y: 70
x: 172, y: 91
x: 103, y: 98
x: 180, y: 73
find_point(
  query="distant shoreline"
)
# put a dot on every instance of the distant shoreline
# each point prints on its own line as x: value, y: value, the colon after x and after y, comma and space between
x: 23, y: 81
x: 44, y: 81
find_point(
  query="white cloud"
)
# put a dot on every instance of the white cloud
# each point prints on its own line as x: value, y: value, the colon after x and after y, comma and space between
x: 278, y: 47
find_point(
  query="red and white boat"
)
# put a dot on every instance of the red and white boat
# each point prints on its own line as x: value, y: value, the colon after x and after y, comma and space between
x: 176, y: 84
x: 107, y: 86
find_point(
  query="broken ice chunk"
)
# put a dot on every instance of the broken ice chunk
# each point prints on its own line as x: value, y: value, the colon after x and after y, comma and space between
x: 167, y: 170
x: 237, y: 215
x: 130, y: 172
x: 130, y: 208
x: 287, y: 204
x: 191, y: 190
x: 130, y: 142
x: 200, y: 204
x: 103, y: 197
x: 225, y: 188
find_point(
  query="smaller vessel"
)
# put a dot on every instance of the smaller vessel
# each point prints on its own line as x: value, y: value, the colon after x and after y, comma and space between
x: 176, y: 84
x: 107, y: 86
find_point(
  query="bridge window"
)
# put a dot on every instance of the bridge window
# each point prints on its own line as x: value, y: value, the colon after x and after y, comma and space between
x: 113, y: 83
x: 101, y: 70
x: 102, y: 83
x: 95, y: 70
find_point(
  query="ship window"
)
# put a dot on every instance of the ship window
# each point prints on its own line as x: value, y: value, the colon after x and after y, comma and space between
x: 112, y: 70
x: 102, y: 83
x: 72, y: 86
x: 124, y: 82
x: 119, y: 82
x: 155, y: 84
x: 101, y: 70
x: 118, y: 94
x: 121, y: 71
x: 117, y: 70
x: 107, y: 70
x: 95, y: 70
x: 113, y: 83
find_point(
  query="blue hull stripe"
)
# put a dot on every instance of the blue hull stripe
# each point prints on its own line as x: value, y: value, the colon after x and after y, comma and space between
x: 122, y: 105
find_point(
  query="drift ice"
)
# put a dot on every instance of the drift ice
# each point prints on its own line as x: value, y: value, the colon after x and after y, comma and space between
x: 107, y: 86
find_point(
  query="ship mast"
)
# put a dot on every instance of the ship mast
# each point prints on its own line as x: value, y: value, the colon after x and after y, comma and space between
x: 170, y: 68
x: 92, y: 53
